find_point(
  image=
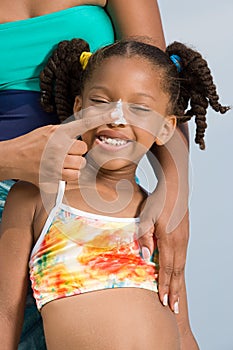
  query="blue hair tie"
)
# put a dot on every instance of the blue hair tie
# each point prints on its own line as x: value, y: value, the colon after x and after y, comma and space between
x: 176, y: 60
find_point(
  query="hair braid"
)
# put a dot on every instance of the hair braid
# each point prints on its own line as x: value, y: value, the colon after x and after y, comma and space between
x: 199, y: 105
x: 197, y: 89
x: 201, y: 126
x: 60, y: 80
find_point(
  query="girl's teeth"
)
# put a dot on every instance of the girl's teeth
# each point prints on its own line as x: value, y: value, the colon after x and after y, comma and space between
x: 114, y: 142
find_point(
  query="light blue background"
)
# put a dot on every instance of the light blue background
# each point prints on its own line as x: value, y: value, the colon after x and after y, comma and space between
x: 207, y: 25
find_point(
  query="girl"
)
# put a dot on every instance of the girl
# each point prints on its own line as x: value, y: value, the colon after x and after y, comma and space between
x: 80, y: 251
x: 38, y: 26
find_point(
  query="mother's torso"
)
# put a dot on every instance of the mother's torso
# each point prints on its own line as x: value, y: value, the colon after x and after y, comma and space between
x: 29, y: 32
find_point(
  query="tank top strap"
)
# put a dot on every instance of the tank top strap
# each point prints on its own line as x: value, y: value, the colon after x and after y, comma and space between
x: 60, y: 193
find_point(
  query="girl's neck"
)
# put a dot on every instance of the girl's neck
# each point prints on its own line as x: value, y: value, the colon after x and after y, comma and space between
x: 91, y: 174
x: 110, y: 193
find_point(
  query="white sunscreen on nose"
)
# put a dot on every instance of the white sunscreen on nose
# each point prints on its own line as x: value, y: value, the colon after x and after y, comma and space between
x: 118, y: 112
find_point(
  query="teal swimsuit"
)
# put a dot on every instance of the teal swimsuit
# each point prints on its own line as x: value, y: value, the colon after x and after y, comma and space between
x: 26, y: 44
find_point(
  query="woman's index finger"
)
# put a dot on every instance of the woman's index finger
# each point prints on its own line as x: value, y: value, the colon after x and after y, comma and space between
x: 79, y: 127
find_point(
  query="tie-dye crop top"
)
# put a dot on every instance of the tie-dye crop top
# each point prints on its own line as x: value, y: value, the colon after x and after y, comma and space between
x: 79, y: 252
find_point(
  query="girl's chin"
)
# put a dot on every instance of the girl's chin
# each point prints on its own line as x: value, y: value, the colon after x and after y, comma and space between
x: 113, y: 164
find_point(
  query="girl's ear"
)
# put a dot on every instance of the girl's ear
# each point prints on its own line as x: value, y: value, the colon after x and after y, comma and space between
x: 166, y: 131
x: 77, y: 104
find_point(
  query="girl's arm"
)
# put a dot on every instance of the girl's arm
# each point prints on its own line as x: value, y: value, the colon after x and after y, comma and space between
x: 16, y: 239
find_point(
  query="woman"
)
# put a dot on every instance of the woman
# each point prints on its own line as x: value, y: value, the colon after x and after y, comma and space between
x: 20, y: 155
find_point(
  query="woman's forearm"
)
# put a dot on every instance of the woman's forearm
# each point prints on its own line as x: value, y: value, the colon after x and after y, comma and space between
x: 137, y: 18
x: 170, y: 164
x: 7, y: 155
x: 20, y: 157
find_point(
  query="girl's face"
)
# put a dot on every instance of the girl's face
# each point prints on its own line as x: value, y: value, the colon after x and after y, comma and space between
x: 137, y: 84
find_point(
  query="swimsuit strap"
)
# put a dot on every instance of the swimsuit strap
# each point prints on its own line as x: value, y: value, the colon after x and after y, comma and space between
x: 52, y: 214
x: 60, y: 193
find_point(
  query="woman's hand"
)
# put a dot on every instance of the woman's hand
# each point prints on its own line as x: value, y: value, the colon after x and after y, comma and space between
x: 48, y: 154
x: 171, y: 242
x: 172, y: 257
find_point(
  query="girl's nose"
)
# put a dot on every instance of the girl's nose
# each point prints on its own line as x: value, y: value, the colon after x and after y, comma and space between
x: 118, y: 112
x: 114, y: 125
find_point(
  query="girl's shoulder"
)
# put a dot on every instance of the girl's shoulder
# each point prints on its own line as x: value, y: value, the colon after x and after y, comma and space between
x: 21, y: 204
x: 24, y: 191
x: 23, y: 195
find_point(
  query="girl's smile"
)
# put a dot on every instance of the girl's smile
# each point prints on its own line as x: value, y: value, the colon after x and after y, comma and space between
x: 112, y: 140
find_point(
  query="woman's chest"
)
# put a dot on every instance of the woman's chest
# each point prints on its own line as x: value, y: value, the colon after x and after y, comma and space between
x: 16, y: 10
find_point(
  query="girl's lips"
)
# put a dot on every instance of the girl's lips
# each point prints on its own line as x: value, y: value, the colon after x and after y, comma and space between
x: 113, y: 134
x: 103, y: 135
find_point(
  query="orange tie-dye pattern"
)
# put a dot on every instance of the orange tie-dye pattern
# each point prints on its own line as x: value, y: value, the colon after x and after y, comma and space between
x: 79, y: 254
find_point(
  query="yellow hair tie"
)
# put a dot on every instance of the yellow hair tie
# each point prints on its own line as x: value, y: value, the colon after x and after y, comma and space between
x: 84, y: 58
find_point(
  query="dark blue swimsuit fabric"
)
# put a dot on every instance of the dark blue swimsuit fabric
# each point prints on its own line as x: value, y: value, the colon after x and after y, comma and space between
x: 21, y: 112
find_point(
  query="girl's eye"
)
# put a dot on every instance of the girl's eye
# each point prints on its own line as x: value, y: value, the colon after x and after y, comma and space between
x: 98, y: 101
x: 140, y: 108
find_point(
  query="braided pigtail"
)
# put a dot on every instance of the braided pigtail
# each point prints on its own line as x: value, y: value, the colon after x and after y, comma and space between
x: 197, y: 89
x: 60, y: 80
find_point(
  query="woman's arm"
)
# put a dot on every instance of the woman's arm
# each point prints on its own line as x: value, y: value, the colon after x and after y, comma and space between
x: 137, y: 18
x: 16, y: 240
x: 171, y: 222
x: 142, y: 18
x: 171, y: 219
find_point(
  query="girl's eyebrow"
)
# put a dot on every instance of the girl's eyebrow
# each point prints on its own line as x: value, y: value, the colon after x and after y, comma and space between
x: 104, y: 88
x: 98, y: 87
x: 146, y: 95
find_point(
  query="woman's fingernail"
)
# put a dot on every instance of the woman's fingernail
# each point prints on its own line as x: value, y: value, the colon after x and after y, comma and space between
x: 165, y: 300
x: 146, y: 253
x: 176, y: 307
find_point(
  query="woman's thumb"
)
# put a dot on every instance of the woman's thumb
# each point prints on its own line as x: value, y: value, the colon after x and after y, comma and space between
x: 146, y: 243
